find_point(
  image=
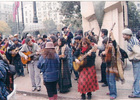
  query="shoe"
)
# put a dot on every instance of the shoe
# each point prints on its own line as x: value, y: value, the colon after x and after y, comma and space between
x: 112, y: 98
x: 83, y: 97
x: 18, y: 75
x: 22, y: 75
x: 39, y: 88
x: 104, y: 85
x: 107, y: 93
x: 100, y: 81
x: 76, y: 79
x: 133, y: 96
x: 89, y: 95
x: 33, y: 88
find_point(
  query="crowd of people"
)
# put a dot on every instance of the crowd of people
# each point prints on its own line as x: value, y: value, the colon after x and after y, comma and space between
x: 56, y: 56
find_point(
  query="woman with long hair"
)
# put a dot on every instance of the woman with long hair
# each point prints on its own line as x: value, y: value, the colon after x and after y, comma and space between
x: 87, y: 81
x: 65, y: 76
x: 49, y: 65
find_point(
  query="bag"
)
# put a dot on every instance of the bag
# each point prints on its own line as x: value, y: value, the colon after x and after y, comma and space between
x: 12, y: 69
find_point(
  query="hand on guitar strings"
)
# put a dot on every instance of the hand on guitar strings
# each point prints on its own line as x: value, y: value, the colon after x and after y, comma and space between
x: 89, y: 53
x: 77, y: 61
x: 37, y: 53
x: 26, y: 57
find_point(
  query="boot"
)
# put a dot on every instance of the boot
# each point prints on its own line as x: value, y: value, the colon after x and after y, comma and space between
x: 83, y: 96
x: 55, y: 96
x: 89, y: 95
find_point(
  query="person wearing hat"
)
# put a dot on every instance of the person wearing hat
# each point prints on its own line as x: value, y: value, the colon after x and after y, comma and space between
x: 15, y: 57
x: 11, y: 37
x: 67, y: 35
x: 34, y: 72
x: 17, y: 36
x: 49, y: 65
x: 77, y: 41
x: 44, y: 38
x: 133, y: 47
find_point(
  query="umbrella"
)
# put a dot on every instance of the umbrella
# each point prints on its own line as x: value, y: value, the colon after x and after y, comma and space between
x: 33, y: 27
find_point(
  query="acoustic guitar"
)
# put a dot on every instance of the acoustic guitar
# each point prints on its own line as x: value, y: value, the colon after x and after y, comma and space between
x: 29, y: 54
x: 15, y: 51
x: 81, y: 58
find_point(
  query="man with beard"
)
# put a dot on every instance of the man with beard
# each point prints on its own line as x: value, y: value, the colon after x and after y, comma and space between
x: 133, y: 47
x: 34, y: 72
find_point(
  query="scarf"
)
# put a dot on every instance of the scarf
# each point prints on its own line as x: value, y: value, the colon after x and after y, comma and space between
x: 84, y: 49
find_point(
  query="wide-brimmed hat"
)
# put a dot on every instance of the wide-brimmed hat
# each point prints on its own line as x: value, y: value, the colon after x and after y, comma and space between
x: 49, y: 45
x: 64, y: 28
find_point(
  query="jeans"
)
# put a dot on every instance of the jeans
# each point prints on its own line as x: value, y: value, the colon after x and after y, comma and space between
x: 110, y: 77
x: 19, y: 66
x: 136, y: 73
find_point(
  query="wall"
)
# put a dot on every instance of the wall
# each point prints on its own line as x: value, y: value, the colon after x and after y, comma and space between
x: 114, y: 12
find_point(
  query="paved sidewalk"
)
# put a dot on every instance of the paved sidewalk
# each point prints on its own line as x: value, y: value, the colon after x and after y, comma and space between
x: 23, y: 85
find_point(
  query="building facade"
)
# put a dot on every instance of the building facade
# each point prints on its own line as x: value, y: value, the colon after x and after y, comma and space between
x: 6, y: 11
x: 45, y: 11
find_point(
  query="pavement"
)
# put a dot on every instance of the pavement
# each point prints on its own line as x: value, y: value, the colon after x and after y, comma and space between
x: 23, y: 86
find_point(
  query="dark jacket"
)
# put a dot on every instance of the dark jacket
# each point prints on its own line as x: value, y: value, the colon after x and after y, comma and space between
x: 70, y: 36
x: 3, y: 74
x: 50, y: 68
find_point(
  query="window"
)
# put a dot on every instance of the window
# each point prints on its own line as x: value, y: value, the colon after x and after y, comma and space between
x: 26, y: 20
x: 138, y: 4
x: 26, y: 13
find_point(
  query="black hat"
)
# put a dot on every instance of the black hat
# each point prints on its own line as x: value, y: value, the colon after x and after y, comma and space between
x: 44, y: 36
x: 64, y: 28
x: 15, y: 39
x: 78, y: 37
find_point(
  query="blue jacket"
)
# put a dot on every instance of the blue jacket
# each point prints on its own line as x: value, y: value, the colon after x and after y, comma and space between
x: 3, y: 73
x: 50, y: 68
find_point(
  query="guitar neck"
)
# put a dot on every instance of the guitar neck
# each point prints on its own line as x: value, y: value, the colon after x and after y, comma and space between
x: 32, y: 54
x: 83, y: 57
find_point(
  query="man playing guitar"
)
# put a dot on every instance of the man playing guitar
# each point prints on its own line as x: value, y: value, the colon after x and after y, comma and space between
x: 34, y: 72
x: 15, y: 57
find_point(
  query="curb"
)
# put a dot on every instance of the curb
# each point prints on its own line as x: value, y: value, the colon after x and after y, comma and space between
x: 36, y: 94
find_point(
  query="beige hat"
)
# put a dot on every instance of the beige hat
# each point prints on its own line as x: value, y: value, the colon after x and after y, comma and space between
x: 11, y: 36
x: 127, y: 31
x: 15, y: 35
x: 49, y: 45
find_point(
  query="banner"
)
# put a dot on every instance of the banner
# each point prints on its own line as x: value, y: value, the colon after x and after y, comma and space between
x: 15, y: 8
